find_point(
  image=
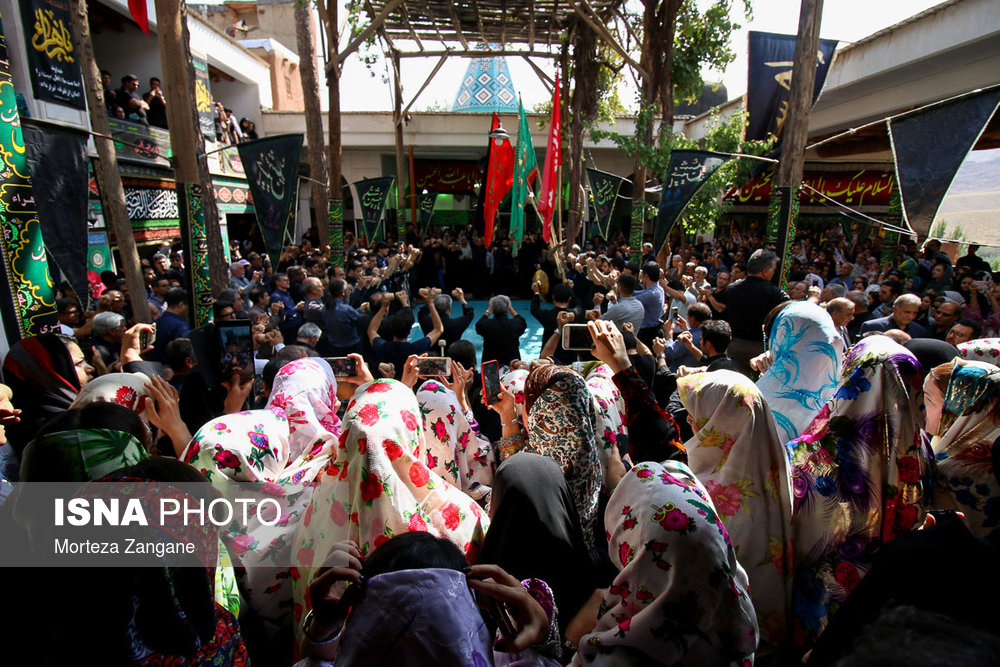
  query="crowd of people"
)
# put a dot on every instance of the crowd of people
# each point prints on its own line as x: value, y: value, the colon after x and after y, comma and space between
x: 150, y: 108
x: 725, y: 473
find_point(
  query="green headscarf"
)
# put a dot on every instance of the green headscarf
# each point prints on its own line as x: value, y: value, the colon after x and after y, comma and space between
x: 80, y: 455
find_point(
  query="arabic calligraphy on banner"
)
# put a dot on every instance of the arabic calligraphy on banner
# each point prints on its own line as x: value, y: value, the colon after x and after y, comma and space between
x: 687, y: 172
x: 27, y: 293
x: 446, y: 175
x: 372, y: 195
x: 151, y: 204
x: 55, y: 71
x: 140, y: 143
x: 203, y: 98
x: 272, y: 167
x: 854, y: 188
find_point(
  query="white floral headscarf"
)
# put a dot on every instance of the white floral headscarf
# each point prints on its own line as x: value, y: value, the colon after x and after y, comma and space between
x: 454, y: 450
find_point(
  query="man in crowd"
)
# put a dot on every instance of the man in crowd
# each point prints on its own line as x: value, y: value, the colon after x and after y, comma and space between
x: 679, y: 351
x: 651, y: 297
x: 397, y: 350
x: 454, y: 327
x: 340, y: 323
x: 841, y: 311
x: 291, y: 317
x: 946, y: 315
x: 308, y: 337
x: 887, y: 293
x: 745, y: 304
x: 963, y: 331
x: 861, y: 314
x: 108, y: 329
x: 627, y: 308
x: 501, y: 334
x: 172, y: 324
x: 160, y: 285
x: 129, y: 99
x: 904, y: 312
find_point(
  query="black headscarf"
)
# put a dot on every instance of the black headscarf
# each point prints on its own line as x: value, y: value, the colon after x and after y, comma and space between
x: 535, y: 531
x: 931, y: 353
x: 40, y: 372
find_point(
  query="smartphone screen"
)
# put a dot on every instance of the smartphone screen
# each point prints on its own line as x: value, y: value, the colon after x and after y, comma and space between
x: 433, y: 366
x: 147, y: 338
x: 235, y: 349
x: 343, y: 367
x: 491, y: 382
x: 577, y: 337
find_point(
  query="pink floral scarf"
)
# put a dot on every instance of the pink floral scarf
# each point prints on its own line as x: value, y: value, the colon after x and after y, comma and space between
x: 739, y: 457
x: 454, y: 451
x: 680, y: 597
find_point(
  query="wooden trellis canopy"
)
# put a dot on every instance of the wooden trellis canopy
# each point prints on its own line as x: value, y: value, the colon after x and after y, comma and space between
x: 475, y: 28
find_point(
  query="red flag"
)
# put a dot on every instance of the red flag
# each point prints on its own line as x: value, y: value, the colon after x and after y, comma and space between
x: 550, y: 173
x: 137, y: 8
x: 499, y: 177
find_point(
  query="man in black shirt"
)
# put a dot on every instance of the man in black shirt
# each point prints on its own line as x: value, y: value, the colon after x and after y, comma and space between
x: 746, y: 303
x: 129, y: 99
x: 454, y: 327
x: 501, y: 334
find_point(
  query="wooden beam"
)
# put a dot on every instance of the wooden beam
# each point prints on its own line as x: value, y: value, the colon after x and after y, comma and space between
x: 503, y: 22
x: 553, y: 19
x: 531, y: 26
x: 433, y: 19
x: 603, y: 33
x: 413, y: 33
x: 426, y: 83
x: 474, y: 53
x: 542, y: 76
x: 479, y: 20
x: 369, y: 30
x: 458, y: 26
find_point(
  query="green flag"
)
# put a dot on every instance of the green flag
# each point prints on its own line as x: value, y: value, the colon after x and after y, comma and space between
x: 525, y: 171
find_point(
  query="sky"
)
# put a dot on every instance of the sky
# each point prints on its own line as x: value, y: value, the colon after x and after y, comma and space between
x: 843, y: 20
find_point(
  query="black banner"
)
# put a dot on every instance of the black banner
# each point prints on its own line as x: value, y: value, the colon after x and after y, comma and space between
x: 57, y: 158
x: 426, y: 207
x: 604, y: 188
x: 769, y: 77
x: 930, y: 146
x: 272, y: 167
x: 52, y: 59
x: 372, y: 195
x: 203, y: 98
x: 136, y: 142
x: 687, y: 172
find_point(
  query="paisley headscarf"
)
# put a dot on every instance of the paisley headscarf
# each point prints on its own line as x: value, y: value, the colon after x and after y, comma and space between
x: 807, y: 354
x: 739, y: 457
x: 379, y: 486
x: 562, y: 425
x: 965, y: 468
x: 860, y: 474
x: 681, y: 597
x: 454, y: 451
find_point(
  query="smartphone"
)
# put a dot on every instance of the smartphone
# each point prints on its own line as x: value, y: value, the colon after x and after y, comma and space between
x: 343, y: 367
x: 577, y: 337
x: 491, y: 381
x: 235, y: 349
x: 433, y: 367
x: 501, y: 615
x: 673, y: 313
x: 147, y: 338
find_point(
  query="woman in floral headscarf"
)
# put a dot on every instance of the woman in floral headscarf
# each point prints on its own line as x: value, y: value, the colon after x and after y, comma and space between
x: 806, y: 355
x: 981, y: 349
x: 379, y: 486
x: 276, y: 453
x: 860, y: 473
x: 609, y: 408
x: 963, y: 405
x: 681, y: 597
x: 454, y: 450
x: 737, y: 454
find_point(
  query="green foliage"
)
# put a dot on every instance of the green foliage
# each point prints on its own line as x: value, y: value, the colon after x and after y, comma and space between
x: 702, y: 39
x: 725, y: 135
x: 940, y: 231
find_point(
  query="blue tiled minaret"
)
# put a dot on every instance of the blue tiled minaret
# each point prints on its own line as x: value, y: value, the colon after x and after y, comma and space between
x: 486, y: 87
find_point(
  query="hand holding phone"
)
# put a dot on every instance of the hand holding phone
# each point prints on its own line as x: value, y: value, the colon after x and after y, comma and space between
x: 576, y: 337
x: 343, y: 366
x: 433, y: 366
x: 491, y: 382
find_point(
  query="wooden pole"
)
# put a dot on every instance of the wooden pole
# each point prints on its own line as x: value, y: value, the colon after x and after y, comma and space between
x: 398, y: 118
x: 305, y: 40
x: 788, y: 179
x: 334, y: 146
x: 413, y: 193
x: 108, y: 175
x: 188, y: 144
